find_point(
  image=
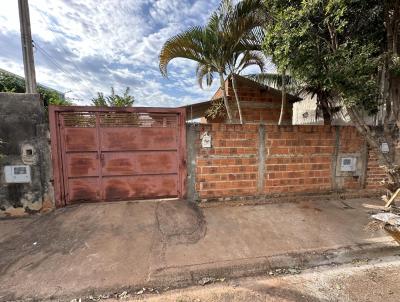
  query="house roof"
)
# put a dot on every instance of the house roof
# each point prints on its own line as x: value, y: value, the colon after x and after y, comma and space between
x: 197, y: 110
x: 251, y: 83
x: 23, y: 79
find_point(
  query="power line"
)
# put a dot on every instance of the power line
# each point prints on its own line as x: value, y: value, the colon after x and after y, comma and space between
x: 49, y: 57
x: 58, y: 66
x: 53, y: 31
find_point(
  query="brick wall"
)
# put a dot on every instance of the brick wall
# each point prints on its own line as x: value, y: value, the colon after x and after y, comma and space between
x: 229, y: 168
x: 374, y: 173
x: 257, y: 103
x: 246, y: 160
x: 299, y: 158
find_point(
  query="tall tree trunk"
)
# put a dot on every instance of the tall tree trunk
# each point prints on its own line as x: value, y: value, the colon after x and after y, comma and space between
x: 324, y: 106
x: 386, y: 160
x: 234, y: 87
x: 284, y: 101
x: 226, y: 102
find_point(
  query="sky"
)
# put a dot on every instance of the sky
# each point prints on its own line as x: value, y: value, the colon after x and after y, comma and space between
x: 87, y: 46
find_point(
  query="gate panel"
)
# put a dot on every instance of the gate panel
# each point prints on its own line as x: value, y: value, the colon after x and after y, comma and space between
x: 80, y: 139
x: 137, y: 163
x: 105, y: 154
x: 129, y: 139
x: 82, y: 164
x: 83, y: 189
x: 134, y: 187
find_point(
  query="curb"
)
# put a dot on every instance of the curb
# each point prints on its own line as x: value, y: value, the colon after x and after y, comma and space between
x: 180, y: 277
x: 191, y: 275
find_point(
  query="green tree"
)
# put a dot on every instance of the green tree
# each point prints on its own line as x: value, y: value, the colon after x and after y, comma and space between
x: 114, y: 100
x: 12, y: 83
x: 217, y: 47
x: 349, y: 50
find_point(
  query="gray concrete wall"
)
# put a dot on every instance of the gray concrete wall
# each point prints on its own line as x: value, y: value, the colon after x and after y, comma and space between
x: 192, y: 134
x: 24, y: 132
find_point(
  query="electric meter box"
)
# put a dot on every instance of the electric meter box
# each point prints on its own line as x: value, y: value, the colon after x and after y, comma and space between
x: 17, y: 174
x: 348, y: 164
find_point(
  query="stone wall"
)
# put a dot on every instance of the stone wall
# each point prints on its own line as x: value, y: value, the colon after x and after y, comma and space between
x: 23, y: 130
x: 266, y: 160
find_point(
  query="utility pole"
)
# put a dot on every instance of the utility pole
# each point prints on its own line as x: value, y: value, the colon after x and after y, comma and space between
x: 27, y: 50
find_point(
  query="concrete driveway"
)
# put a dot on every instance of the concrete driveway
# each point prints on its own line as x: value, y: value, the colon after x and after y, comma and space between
x: 98, y: 248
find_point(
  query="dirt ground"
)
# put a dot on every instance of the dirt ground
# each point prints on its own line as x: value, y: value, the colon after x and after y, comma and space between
x: 362, y: 280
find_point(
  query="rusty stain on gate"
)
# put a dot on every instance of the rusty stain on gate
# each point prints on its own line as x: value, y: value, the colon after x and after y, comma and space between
x: 106, y: 154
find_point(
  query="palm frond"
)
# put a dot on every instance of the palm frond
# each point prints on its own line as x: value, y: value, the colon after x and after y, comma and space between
x: 252, y: 58
x: 194, y: 44
x: 204, y: 72
x: 272, y: 79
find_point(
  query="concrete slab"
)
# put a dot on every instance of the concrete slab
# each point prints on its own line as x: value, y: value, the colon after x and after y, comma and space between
x: 96, y: 248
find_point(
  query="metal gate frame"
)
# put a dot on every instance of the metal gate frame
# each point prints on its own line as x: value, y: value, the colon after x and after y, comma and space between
x: 56, y: 143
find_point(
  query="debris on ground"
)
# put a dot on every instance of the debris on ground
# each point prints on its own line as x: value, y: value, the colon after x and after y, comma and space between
x: 389, y: 218
x: 99, y: 297
x: 209, y: 280
x: 285, y: 271
x: 149, y: 290
x: 123, y: 295
x: 359, y: 262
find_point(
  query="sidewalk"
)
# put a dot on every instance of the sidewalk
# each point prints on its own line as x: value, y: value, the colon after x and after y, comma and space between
x: 100, y: 248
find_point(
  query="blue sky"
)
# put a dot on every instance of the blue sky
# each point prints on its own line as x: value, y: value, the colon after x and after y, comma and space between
x: 85, y: 46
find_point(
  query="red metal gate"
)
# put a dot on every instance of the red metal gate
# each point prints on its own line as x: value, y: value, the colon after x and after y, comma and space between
x: 106, y: 154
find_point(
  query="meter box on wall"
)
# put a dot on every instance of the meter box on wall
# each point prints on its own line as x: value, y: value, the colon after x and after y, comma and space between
x: 348, y: 164
x: 17, y: 174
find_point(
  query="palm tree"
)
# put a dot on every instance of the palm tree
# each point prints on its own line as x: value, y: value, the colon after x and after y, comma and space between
x: 216, y: 47
x: 200, y: 44
x: 235, y: 66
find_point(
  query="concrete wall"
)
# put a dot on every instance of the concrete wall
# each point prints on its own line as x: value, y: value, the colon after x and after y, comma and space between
x: 23, y: 129
x: 266, y: 160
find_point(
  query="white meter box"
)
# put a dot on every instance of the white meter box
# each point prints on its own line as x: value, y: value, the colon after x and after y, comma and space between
x: 17, y: 174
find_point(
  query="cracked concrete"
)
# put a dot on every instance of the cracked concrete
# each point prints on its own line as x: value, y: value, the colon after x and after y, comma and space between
x: 92, y: 249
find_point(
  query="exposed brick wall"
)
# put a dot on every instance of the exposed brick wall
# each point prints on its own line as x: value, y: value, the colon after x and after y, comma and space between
x: 374, y: 172
x: 299, y: 158
x: 296, y: 159
x: 229, y: 168
x: 350, y: 142
x: 257, y: 103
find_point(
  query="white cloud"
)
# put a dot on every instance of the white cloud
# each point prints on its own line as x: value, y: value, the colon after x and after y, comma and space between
x: 99, y: 44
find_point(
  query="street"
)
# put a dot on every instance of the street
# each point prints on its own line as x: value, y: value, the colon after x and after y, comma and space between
x: 362, y: 280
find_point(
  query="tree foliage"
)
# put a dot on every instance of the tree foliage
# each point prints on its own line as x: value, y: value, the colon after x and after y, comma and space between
x: 114, y: 100
x: 317, y: 40
x: 11, y: 83
x: 348, y: 49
